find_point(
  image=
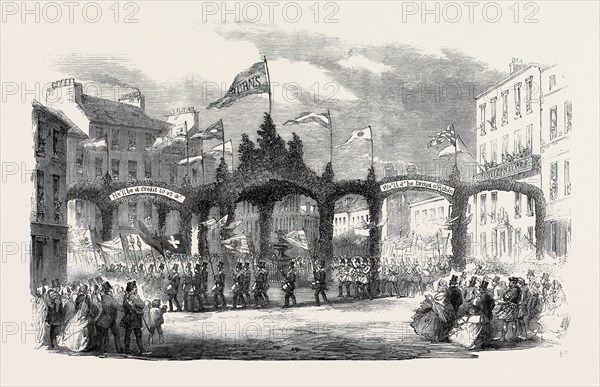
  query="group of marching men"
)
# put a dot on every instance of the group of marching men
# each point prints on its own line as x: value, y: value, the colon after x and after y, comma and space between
x: 391, y: 277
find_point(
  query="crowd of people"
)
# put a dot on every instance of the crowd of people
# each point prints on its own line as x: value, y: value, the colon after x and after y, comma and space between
x: 478, y: 311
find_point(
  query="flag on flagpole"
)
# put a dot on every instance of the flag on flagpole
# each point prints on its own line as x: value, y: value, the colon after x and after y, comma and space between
x: 210, y: 223
x: 218, y: 150
x: 358, y: 134
x: 450, y: 150
x: 215, y: 131
x: 237, y: 243
x: 297, y: 239
x: 233, y: 225
x: 222, y: 222
x: 447, y: 134
x: 95, y: 143
x: 250, y: 81
x: 320, y: 118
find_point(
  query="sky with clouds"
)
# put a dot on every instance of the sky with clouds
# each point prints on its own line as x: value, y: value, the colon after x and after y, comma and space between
x: 374, y: 65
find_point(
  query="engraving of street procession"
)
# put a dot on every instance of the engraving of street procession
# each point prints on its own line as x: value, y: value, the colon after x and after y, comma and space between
x: 371, y: 219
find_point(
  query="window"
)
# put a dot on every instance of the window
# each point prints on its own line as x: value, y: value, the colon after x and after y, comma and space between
x: 483, y: 213
x: 518, y: 143
x: 56, y: 247
x: 114, y: 169
x: 149, y: 140
x: 41, y: 200
x: 98, y: 166
x: 173, y: 174
x: 147, y: 169
x: 115, y: 139
x: 502, y: 243
x: 568, y: 116
x: 482, y: 154
x: 55, y: 146
x: 493, y: 113
x: 482, y: 118
x: 505, y: 107
x: 494, y: 243
x: 553, y: 128
x: 567, y: 177
x: 148, y: 214
x: 518, y: 99
x: 530, y: 206
x: 517, y: 205
x: 78, y: 212
x: 194, y: 175
x: 504, y: 147
x: 553, y: 181
x: 56, y: 197
x: 551, y: 82
x: 99, y: 132
x: 41, y: 141
x: 528, y: 138
x: 79, y: 161
x: 494, y: 153
x: 494, y: 199
x: 530, y: 234
x: 417, y: 217
x: 553, y: 238
x: 132, y: 142
x: 132, y: 169
x: 132, y: 213
x: 529, y: 94
x: 482, y: 244
x: 424, y: 216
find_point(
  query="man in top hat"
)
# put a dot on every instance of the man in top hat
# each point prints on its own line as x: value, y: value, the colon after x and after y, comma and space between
x: 107, y: 319
x: 188, y: 288
x: 219, y: 285
x: 161, y: 270
x: 485, y: 305
x: 247, y: 282
x: 238, y: 286
x: 173, y: 288
x: 522, y: 314
x: 289, y: 285
x: 508, y: 308
x: 132, y: 320
x: 469, y: 291
x: 55, y: 313
x: 197, y: 284
x: 453, y: 294
x: 261, y: 284
x: 320, y: 285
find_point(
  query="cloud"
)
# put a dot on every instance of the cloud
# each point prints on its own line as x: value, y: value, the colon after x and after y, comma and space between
x: 360, y: 62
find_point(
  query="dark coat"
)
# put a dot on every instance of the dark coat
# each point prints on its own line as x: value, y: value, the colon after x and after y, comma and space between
x: 454, y: 297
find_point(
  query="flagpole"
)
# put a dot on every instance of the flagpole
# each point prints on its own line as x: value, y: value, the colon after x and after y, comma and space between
x: 330, y: 139
x: 371, y: 130
x: 107, y: 154
x: 455, y: 147
x: 202, y: 158
x: 269, y: 81
x: 223, y: 138
x: 187, y: 150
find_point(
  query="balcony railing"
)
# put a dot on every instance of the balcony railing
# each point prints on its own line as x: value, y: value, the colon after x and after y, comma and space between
x: 508, y: 169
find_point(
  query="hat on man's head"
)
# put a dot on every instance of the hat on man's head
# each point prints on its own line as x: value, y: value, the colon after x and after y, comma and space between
x: 322, y: 263
x: 161, y: 266
x: 247, y: 264
x: 198, y: 267
x: 220, y: 264
x: 106, y: 286
x: 205, y: 263
x: 175, y: 266
x: 496, y: 279
x: 513, y: 279
x: 454, y: 280
x: 473, y: 281
x: 238, y: 265
x: 130, y: 285
x: 484, y: 285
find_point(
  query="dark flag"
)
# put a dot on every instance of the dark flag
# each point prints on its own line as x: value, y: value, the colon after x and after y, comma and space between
x: 250, y: 81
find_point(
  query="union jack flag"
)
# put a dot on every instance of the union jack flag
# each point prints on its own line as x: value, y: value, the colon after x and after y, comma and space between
x: 446, y: 134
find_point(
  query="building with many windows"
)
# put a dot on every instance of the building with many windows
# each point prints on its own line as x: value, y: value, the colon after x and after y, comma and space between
x: 557, y: 114
x: 48, y: 217
x: 129, y: 134
x: 351, y: 212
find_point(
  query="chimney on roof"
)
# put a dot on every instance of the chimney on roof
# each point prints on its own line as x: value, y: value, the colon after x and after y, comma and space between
x: 64, y: 91
x: 516, y: 65
x: 134, y: 98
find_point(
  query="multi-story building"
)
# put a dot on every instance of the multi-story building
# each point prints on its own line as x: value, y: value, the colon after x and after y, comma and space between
x: 351, y: 212
x: 129, y: 133
x: 508, y: 147
x: 48, y: 210
x: 556, y: 130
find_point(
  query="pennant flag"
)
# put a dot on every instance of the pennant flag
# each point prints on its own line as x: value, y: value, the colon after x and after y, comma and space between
x: 320, y: 118
x: 212, y: 132
x: 218, y: 150
x: 297, y: 239
x: 233, y: 225
x: 237, y: 243
x: 210, y: 223
x: 450, y: 151
x: 445, y: 135
x: 222, y: 222
x: 250, y: 81
x: 94, y: 143
x: 358, y: 134
x: 190, y: 160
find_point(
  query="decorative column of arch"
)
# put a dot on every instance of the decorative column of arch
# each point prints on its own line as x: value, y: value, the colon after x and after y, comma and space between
x: 185, y: 226
x: 326, y: 214
x: 375, y: 203
x: 265, y: 222
x: 106, y: 212
x: 162, y: 211
x: 202, y: 215
x: 460, y: 203
x: 540, y: 214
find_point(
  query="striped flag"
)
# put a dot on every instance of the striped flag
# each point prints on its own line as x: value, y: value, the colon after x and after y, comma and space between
x: 237, y: 243
x: 445, y: 135
x: 322, y: 119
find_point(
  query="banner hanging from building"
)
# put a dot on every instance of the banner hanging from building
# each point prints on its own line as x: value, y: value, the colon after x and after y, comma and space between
x: 145, y: 190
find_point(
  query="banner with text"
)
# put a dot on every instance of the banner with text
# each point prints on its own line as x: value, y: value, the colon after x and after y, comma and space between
x: 432, y: 185
x: 145, y: 190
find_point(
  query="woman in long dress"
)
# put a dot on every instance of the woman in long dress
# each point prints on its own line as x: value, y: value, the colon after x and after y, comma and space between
x: 77, y: 334
x: 434, y: 318
x: 40, y: 310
